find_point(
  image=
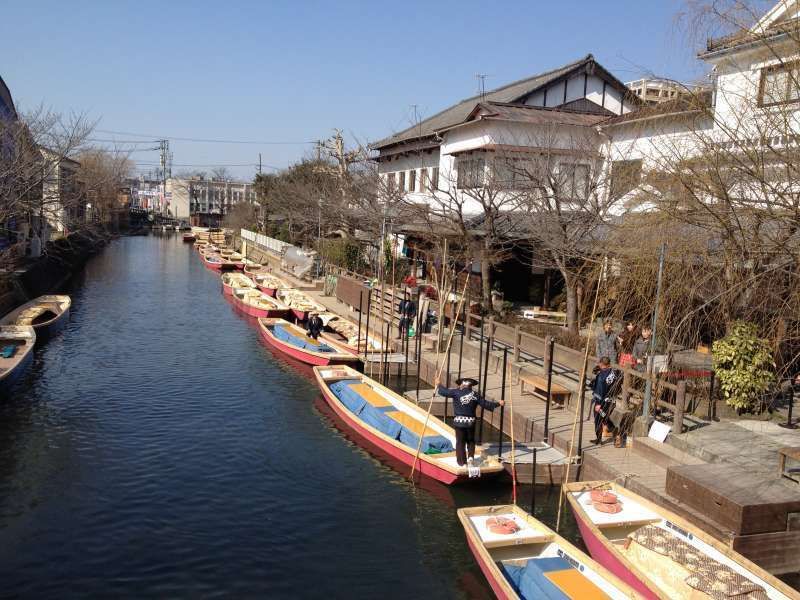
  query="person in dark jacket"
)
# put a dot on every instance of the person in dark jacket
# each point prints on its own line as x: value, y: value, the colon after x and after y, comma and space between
x: 465, y: 402
x: 626, y: 341
x: 607, y: 342
x: 602, y: 398
x: 641, y: 348
x: 314, y: 326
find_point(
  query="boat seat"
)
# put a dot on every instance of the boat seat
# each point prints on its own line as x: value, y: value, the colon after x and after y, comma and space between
x: 411, y: 423
x: 552, y: 578
x: 370, y: 395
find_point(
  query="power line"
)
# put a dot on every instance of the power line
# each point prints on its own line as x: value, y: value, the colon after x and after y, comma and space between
x: 203, y: 140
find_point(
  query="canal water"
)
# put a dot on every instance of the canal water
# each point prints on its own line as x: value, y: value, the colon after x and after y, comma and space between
x: 158, y: 449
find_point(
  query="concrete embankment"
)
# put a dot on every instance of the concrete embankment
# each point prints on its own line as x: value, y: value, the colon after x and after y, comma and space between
x: 49, y: 272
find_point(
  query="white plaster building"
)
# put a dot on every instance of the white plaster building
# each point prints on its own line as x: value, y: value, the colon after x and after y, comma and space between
x: 206, y: 200
x: 62, y: 199
x: 483, y: 137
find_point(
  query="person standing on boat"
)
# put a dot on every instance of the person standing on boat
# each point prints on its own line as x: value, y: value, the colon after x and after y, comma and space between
x: 314, y: 326
x: 465, y: 403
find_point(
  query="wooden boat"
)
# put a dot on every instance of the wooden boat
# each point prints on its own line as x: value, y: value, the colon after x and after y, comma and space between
x: 299, y: 303
x: 660, y: 554
x: 46, y: 314
x: 216, y: 262
x: 292, y: 340
x: 232, y: 280
x: 189, y: 237
x: 269, y: 284
x: 523, y: 558
x: 394, y: 425
x: 251, y: 267
x: 257, y: 304
x: 16, y: 352
x: 349, y: 331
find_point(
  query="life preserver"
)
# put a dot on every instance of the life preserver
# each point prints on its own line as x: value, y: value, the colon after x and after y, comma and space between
x: 603, y: 496
x: 502, y: 525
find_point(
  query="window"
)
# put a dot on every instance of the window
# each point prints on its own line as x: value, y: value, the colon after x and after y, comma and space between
x: 434, y: 180
x: 390, y: 181
x: 470, y: 172
x: 574, y: 180
x: 780, y: 84
x: 625, y: 175
x: 412, y: 180
x: 423, y: 180
x: 401, y: 181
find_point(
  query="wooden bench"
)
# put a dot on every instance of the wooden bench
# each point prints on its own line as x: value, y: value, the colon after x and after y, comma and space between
x: 558, y: 393
x: 792, y: 452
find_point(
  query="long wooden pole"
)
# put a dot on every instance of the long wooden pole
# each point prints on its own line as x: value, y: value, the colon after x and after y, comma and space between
x: 440, y: 366
x: 578, y: 408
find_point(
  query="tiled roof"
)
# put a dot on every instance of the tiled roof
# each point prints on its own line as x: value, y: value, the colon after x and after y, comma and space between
x: 682, y: 105
x: 537, y: 115
x: 457, y: 113
x: 746, y: 36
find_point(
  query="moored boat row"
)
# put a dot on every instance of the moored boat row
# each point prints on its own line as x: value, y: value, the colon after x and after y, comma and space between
x: 638, y: 549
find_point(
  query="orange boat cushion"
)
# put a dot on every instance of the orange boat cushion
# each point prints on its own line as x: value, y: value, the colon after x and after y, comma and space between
x: 370, y: 395
x: 575, y: 585
x: 411, y: 423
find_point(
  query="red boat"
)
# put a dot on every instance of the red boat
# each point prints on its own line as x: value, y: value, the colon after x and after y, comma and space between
x: 189, y: 237
x: 268, y: 283
x: 299, y: 303
x: 252, y: 268
x: 523, y: 558
x: 257, y: 304
x: 659, y: 554
x: 292, y: 340
x: 216, y: 262
x: 234, y: 280
x: 397, y: 426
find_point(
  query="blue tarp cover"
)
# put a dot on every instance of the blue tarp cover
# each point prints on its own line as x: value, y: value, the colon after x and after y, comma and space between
x: 309, y: 344
x: 376, y: 417
x: 530, y: 581
x: 8, y: 351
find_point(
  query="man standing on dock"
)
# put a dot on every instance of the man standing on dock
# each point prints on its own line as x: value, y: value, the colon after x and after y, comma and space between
x: 602, y: 396
x: 465, y: 403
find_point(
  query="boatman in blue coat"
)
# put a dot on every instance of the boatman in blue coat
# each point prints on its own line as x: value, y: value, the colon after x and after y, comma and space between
x: 465, y: 403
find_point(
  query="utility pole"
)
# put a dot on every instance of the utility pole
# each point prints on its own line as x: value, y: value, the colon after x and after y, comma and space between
x: 259, y: 163
x: 481, y: 77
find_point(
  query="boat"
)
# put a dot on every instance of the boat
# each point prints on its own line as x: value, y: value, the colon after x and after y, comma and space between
x: 393, y: 424
x: 269, y: 284
x: 660, y: 554
x: 232, y: 280
x: 251, y: 267
x: 189, y: 238
x: 216, y: 262
x: 293, y: 340
x: 523, y: 558
x: 350, y: 332
x: 16, y: 352
x: 299, y: 303
x: 46, y: 314
x: 257, y: 304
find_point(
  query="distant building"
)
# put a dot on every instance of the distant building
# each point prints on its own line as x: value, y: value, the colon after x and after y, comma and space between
x: 206, y: 201
x: 656, y: 91
x: 63, y: 204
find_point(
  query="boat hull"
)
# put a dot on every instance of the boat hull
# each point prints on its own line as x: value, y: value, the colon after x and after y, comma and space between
x: 488, y: 572
x: 300, y: 315
x: 10, y: 377
x: 424, y: 468
x: 252, y: 311
x: 606, y: 557
x: 299, y: 354
x: 53, y: 328
x: 269, y: 291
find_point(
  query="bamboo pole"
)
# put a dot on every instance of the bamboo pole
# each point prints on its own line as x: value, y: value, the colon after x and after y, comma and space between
x: 578, y: 407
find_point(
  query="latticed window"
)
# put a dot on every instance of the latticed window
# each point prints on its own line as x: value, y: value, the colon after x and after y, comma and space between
x: 471, y: 172
x: 780, y: 84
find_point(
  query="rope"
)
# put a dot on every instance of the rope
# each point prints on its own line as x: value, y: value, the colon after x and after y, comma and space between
x: 437, y: 378
x: 578, y: 412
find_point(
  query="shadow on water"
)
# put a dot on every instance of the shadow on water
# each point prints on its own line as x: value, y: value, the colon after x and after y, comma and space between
x: 158, y: 448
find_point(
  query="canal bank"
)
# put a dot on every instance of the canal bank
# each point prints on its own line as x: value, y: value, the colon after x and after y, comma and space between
x: 157, y: 448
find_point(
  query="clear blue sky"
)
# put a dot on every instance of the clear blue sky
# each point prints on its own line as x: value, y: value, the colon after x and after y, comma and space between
x: 292, y: 71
